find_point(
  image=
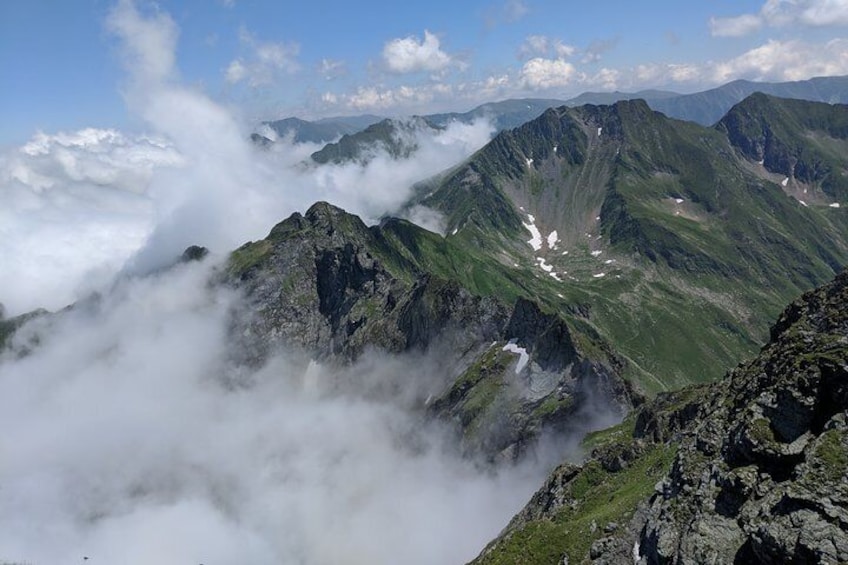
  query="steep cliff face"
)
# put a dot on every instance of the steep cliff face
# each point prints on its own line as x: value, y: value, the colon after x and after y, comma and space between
x: 802, y: 141
x: 751, y: 469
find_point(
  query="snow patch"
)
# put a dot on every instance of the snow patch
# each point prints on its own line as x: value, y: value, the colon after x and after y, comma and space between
x: 454, y: 231
x: 679, y: 200
x: 804, y: 204
x: 599, y: 131
x: 565, y: 252
x: 597, y: 218
x: 535, y: 241
x: 636, y: 553
x: 552, y: 239
x: 599, y: 275
x: 544, y: 266
x: 596, y: 253
x: 523, y: 357
x: 835, y: 205
x: 609, y: 261
x: 555, y: 148
x: 560, y: 295
x: 529, y: 162
x: 555, y: 277
x: 785, y: 181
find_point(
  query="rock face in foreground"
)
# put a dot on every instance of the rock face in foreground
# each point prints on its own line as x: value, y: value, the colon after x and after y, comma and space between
x: 751, y: 469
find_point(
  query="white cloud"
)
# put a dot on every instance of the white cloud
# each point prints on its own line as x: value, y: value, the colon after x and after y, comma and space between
x: 236, y: 72
x: 138, y: 442
x: 75, y: 206
x: 540, y: 73
x: 514, y: 10
x: 784, y: 60
x: 331, y: 69
x: 771, y: 61
x: 736, y: 26
x: 408, y: 55
x: 268, y: 59
x: 780, y: 13
x: 542, y: 45
x: 151, y: 41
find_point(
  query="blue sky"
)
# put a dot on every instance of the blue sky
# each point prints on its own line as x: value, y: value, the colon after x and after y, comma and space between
x: 61, y: 65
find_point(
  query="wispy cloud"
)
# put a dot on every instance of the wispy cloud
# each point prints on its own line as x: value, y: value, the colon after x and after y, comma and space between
x: 514, y: 10
x: 507, y: 12
x: 267, y: 60
x: 780, y: 13
x: 542, y: 45
x: 331, y: 69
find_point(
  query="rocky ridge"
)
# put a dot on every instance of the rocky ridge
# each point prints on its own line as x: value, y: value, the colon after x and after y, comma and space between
x: 750, y: 469
x: 327, y: 285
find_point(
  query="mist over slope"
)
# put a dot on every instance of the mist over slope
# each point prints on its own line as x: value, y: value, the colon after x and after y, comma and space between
x: 137, y: 438
x: 137, y: 441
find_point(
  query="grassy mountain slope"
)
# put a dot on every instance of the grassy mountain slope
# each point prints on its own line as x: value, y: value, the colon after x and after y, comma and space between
x: 675, y: 244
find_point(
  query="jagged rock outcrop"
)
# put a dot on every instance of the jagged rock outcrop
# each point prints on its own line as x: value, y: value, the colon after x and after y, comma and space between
x: 751, y: 469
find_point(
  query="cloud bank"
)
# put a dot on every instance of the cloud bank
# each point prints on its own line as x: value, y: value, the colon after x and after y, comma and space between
x: 136, y: 441
x: 783, y: 13
x: 137, y: 438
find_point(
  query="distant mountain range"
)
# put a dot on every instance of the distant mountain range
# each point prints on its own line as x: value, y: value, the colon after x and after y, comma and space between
x: 705, y: 108
x: 320, y: 131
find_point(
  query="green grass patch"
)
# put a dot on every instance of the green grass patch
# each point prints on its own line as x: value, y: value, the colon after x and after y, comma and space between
x: 600, y: 496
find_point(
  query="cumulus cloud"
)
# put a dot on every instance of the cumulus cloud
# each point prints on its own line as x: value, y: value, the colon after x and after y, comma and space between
x: 541, y: 73
x: 409, y: 55
x: 780, y: 13
x: 267, y: 60
x: 138, y: 442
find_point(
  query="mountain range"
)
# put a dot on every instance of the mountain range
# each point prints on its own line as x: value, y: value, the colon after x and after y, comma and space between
x: 603, y: 262
x: 348, y: 138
